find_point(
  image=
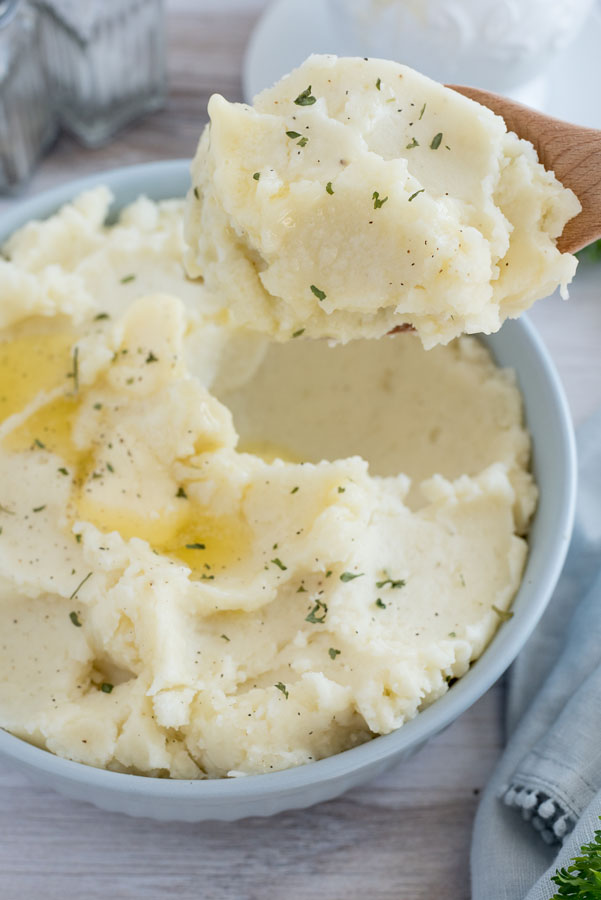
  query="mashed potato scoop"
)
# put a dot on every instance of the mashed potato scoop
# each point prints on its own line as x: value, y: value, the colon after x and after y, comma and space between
x: 571, y: 151
x: 358, y: 195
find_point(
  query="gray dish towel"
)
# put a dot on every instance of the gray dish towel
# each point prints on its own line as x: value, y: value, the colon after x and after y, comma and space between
x: 544, y: 798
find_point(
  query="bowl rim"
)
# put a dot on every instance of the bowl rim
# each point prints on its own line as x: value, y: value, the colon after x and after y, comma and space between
x: 508, y: 641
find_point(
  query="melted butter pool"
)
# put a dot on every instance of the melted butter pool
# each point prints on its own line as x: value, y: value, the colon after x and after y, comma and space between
x: 189, y: 533
x: 207, y: 544
x: 31, y: 364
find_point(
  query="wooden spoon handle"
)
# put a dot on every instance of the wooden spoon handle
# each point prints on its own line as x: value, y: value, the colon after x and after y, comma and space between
x: 572, y: 152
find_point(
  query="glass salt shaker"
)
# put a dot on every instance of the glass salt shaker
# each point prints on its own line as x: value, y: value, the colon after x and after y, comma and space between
x: 105, y: 61
x: 28, y: 123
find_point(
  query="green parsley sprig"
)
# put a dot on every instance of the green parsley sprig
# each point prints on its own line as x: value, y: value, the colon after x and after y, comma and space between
x: 503, y: 614
x: 378, y: 202
x: 590, y: 253
x: 318, y: 614
x: 80, y: 585
x: 350, y: 576
x: 282, y: 687
x: 392, y: 582
x: 74, y: 373
x: 582, y: 879
x: 306, y: 98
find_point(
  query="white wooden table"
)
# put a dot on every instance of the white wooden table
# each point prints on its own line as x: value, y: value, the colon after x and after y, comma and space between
x: 405, y: 836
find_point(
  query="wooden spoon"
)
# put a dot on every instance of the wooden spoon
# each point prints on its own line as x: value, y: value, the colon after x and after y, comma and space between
x: 572, y: 152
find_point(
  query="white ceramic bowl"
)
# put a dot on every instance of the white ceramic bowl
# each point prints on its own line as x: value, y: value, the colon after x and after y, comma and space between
x: 554, y: 461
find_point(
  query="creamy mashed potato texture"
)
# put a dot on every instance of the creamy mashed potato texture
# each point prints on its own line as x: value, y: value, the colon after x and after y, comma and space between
x: 358, y: 195
x: 209, y: 565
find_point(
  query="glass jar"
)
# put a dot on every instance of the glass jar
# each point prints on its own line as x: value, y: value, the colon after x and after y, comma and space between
x: 105, y: 61
x: 28, y: 122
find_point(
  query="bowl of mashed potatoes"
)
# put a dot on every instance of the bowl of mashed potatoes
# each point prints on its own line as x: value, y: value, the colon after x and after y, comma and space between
x: 241, y: 574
